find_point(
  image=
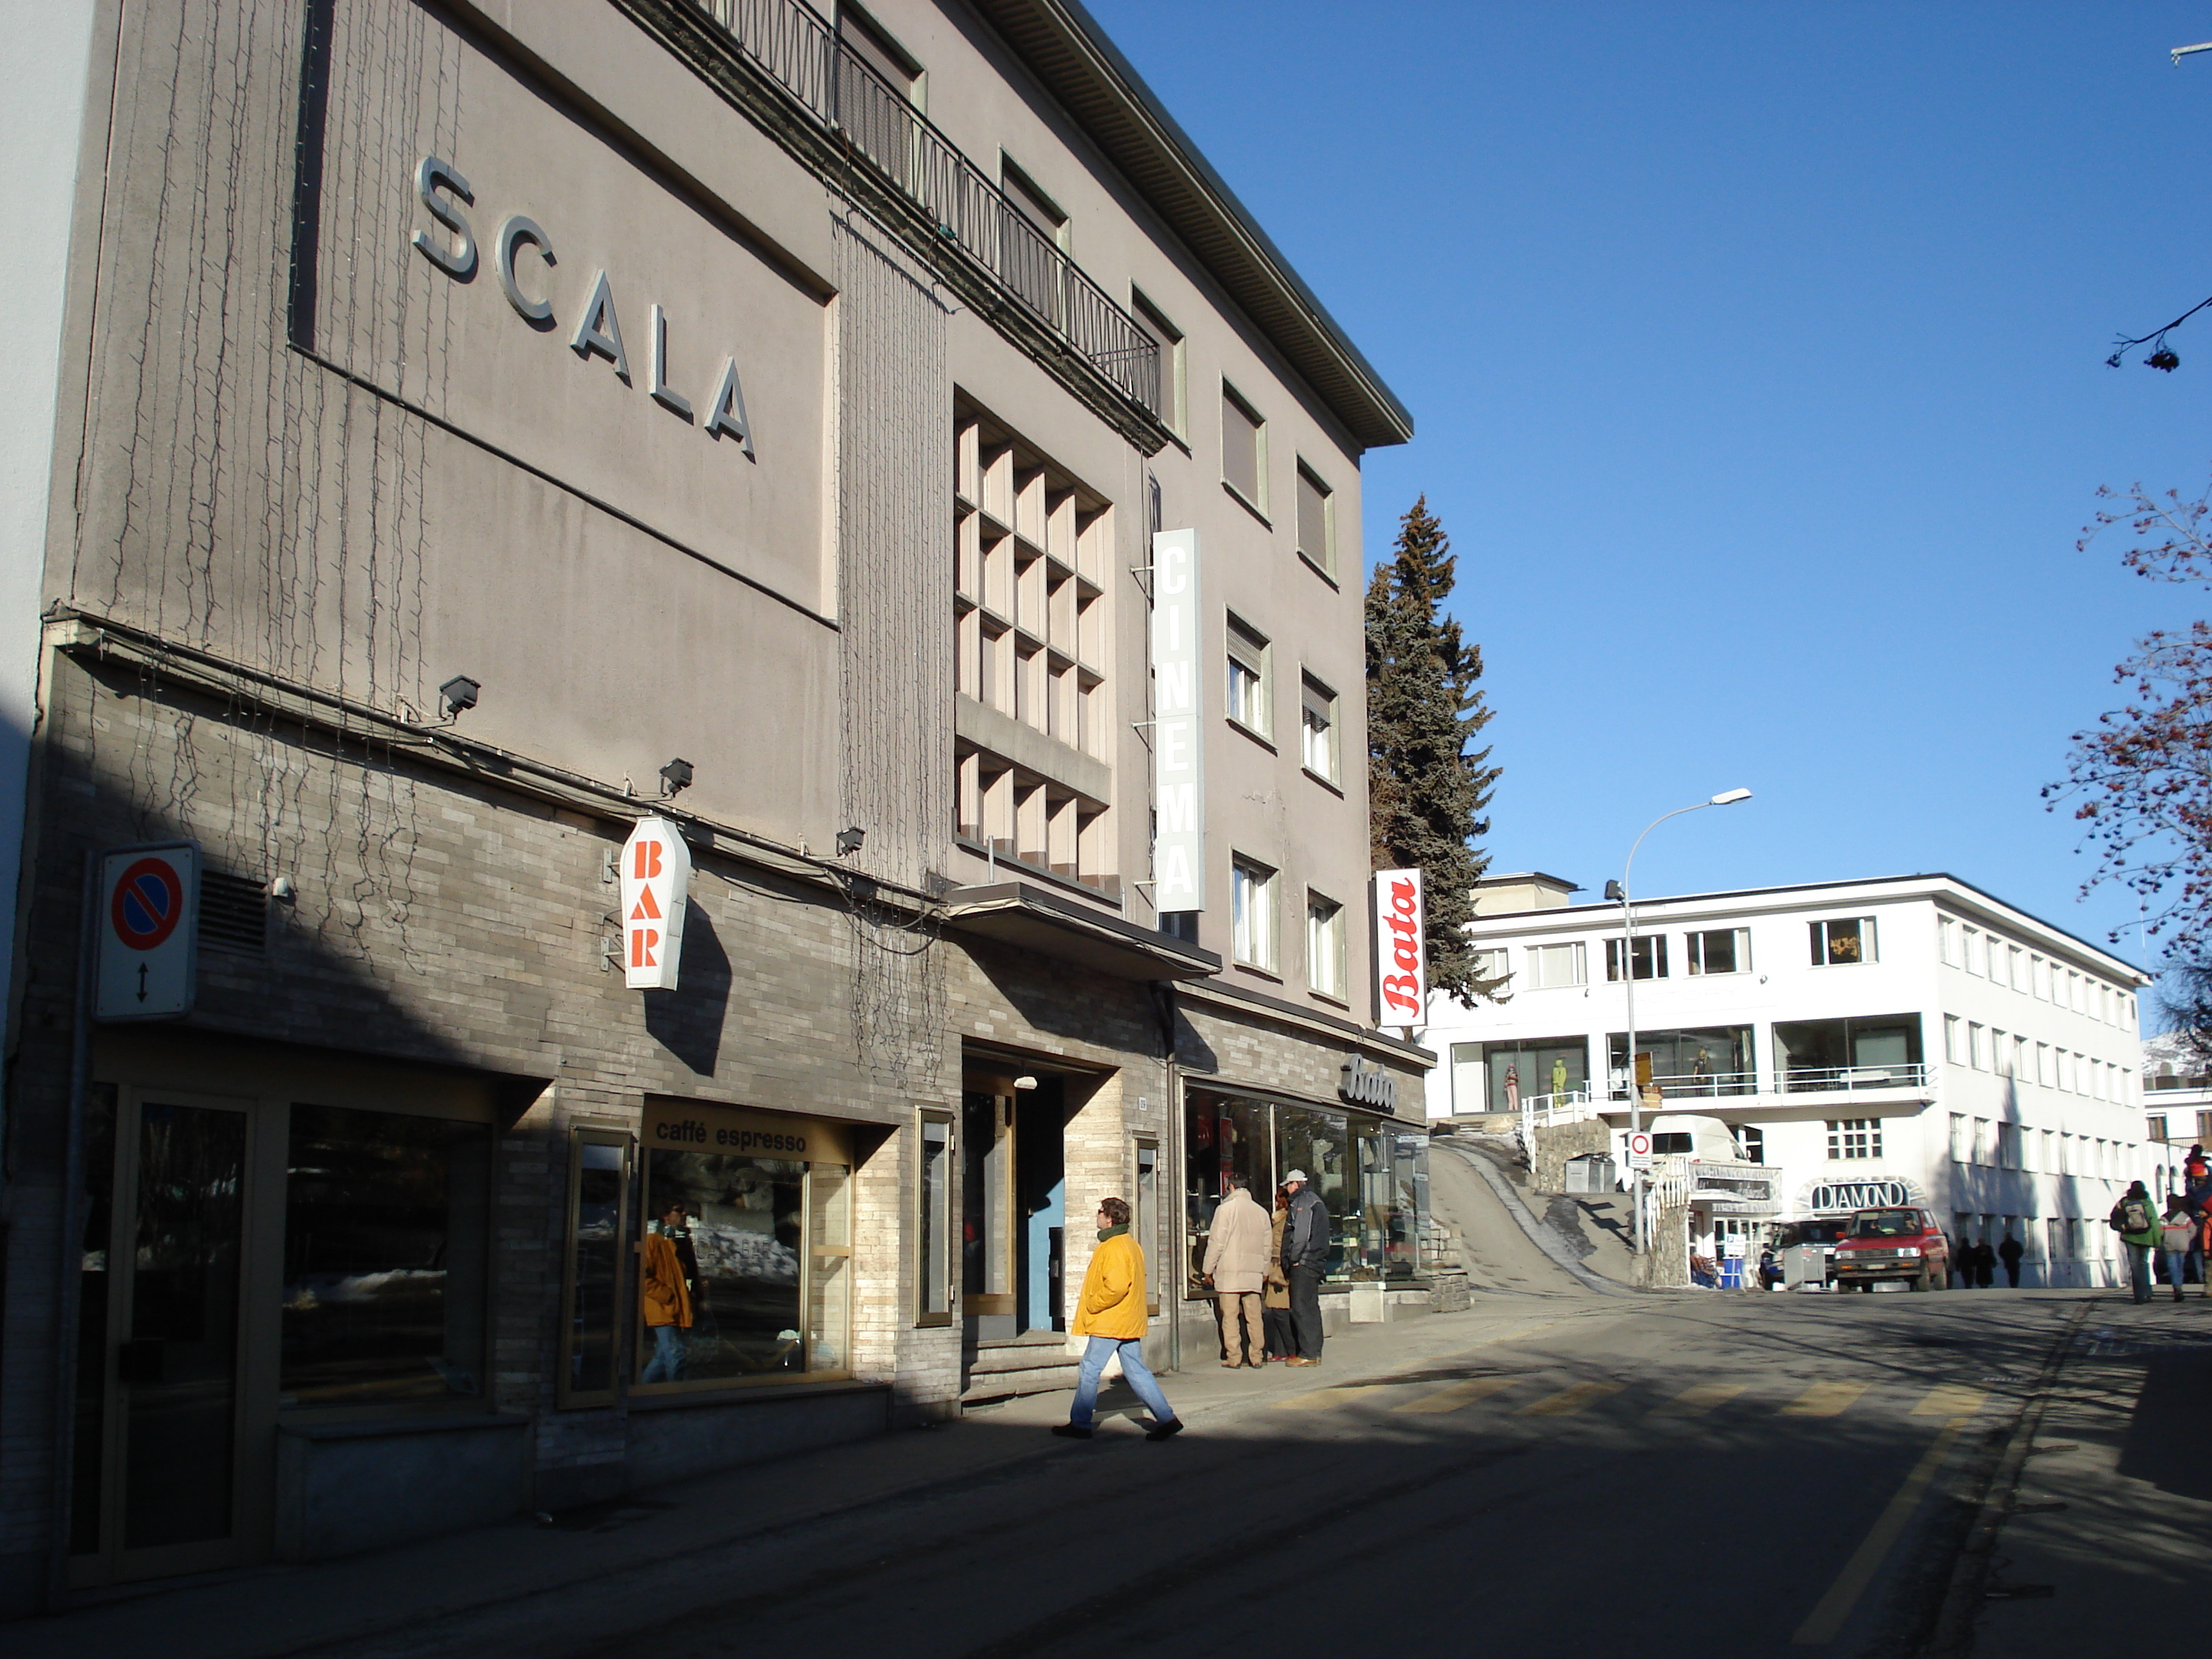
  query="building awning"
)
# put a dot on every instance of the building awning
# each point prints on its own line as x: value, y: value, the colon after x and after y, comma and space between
x: 1016, y: 913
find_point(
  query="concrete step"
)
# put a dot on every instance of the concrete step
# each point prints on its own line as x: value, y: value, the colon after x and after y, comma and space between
x: 1036, y: 1363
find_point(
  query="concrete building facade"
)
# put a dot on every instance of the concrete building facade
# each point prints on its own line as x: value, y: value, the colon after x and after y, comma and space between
x: 486, y: 439
x: 1822, y: 1047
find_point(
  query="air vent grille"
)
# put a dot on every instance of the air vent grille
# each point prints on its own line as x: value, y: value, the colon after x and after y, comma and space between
x: 233, y: 913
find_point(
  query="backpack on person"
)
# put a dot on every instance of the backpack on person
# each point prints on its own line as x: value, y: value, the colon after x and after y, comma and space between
x: 2135, y: 1216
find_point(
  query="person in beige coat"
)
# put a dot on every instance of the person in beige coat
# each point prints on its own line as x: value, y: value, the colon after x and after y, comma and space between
x: 1236, y: 1251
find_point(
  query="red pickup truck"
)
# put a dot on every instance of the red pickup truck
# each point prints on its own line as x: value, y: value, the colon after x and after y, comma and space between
x: 1891, y: 1243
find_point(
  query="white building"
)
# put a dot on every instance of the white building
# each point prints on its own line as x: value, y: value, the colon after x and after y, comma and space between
x: 1909, y: 1039
x: 2177, y: 1104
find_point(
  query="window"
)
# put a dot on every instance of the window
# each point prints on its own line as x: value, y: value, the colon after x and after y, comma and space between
x: 1650, y: 958
x: 1248, y: 677
x: 1978, y: 1045
x: 1504, y: 1075
x: 2040, y: 974
x: 1721, y: 950
x: 598, y: 1231
x: 1855, y: 1138
x: 1947, y: 935
x: 1144, y: 1217
x: 2074, y: 994
x: 1466, y: 1078
x: 860, y: 34
x: 1954, y: 1040
x: 2009, y: 1146
x: 1837, y: 944
x: 1999, y: 1051
x: 1554, y: 966
x: 2157, y: 1124
x: 1677, y: 1143
x: 1491, y: 965
x: 1244, y: 450
x: 1974, y: 951
x: 933, y: 1221
x: 2205, y: 1126
x: 1962, y: 1148
x: 2016, y: 968
x: 1750, y: 1142
x: 1982, y: 1142
x: 1324, y: 945
x: 2046, y: 1066
x: 1252, y: 919
x: 1316, y: 521
x: 744, y: 1263
x: 386, y: 1257
x: 2019, y: 1060
x: 1174, y: 409
x: 1317, y: 740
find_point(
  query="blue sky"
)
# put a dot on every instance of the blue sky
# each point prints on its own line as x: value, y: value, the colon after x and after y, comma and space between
x: 1756, y: 353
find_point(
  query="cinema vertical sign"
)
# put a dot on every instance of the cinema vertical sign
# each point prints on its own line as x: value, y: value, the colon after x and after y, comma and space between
x: 1401, y: 957
x: 1178, y: 728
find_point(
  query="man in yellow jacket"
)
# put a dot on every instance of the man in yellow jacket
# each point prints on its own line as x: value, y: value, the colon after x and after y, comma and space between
x: 1111, y: 1313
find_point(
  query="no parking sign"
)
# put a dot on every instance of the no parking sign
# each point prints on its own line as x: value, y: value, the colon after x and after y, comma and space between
x: 148, y: 920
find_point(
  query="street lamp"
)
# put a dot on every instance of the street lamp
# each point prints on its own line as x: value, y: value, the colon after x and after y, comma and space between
x: 1619, y: 890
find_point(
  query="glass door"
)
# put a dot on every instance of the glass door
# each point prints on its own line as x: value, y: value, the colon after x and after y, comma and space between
x: 987, y: 1194
x: 175, y: 1290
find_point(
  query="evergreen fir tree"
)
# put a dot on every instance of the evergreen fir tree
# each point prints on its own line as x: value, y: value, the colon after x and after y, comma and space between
x: 1426, y: 792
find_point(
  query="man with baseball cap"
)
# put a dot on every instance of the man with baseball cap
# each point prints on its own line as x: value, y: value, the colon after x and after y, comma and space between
x: 1305, y: 1259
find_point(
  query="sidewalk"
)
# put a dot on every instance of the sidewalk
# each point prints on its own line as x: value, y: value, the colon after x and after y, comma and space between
x: 262, y: 1612
x: 2104, y: 1537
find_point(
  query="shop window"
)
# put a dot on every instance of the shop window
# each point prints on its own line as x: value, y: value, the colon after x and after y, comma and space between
x: 1880, y: 1051
x: 1320, y: 1143
x: 1718, y: 950
x: 1650, y: 958
x: 934, y: 1216
x: 1543, y: 1070
x: 1224, y: 1135
x: 745, y: 1257
x: 1694, y: 1063
x: 1855, y: 1138
x: 1552, y: 966
x: 599, y: 1248
x: 386, y: 1235
x: 1850, y: 940
x: 1145, y: 1214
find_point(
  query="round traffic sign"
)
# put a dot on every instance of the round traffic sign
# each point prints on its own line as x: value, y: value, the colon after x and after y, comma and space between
x: 147, y: 902
x: 1639, y: 1144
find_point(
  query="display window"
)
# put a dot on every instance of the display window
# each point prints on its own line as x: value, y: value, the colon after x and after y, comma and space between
x: 744, y: 1252
x: 593, y: 1287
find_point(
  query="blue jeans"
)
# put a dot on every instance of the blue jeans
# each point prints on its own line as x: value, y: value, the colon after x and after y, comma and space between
x: 2139, y: 1270
x: 1101, y: 1349
x: 2176, y: 1268
x: 666, y: 1364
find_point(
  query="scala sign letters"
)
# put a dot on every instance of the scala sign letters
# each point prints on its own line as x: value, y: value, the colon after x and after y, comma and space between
x: 146, y: 919
x: 522, y: 254
x: 656, y: 878
x: 1402, y: 961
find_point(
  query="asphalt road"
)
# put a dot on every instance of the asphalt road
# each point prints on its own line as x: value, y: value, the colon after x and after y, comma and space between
x: 1700, y: 1475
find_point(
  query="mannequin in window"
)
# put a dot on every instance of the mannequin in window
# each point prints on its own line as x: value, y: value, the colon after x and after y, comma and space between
x: 1558, y: 1078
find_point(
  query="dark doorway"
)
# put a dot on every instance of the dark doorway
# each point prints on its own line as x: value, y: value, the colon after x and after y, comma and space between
x: 1041, y: 1196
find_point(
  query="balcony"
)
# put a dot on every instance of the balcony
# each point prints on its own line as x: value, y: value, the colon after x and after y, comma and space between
x: 946, y: 196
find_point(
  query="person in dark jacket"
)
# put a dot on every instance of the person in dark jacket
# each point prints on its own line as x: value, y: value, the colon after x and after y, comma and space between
x: 2009, y: 1253
x: 1305, y: 1259
x: 1986, y: 1266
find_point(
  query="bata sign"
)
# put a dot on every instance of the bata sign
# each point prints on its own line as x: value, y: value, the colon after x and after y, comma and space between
x: 656, y: 876
x: 1401, y: 962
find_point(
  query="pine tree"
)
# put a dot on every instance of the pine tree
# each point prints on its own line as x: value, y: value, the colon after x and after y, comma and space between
x: 1426, y: 792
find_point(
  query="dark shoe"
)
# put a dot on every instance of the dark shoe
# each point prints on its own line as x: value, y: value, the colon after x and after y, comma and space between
x: 1071, y: 1431
x: 1164, y: 1431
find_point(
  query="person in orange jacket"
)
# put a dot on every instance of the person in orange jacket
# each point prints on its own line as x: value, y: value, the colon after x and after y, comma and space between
x: 666, y: 1294
x: 1111, y: 1313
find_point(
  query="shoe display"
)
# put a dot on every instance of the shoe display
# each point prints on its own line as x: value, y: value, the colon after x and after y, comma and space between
x: 1071, y: 1431
x: 1163, y: 1430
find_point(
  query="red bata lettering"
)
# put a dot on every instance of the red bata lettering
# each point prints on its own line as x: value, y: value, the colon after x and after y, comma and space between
x: 1403, y: 897
x: 1402, y: 991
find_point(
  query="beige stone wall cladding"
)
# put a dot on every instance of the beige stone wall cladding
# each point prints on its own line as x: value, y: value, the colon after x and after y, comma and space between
x: 1555, y: 1145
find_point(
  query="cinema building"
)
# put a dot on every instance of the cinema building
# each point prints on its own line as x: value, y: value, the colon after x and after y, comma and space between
x: 589, y: 903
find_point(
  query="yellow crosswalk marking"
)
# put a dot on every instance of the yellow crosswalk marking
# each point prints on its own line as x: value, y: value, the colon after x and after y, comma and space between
x: 1572, y: 1399
x: 1951, y: 1400
x: 1451, y: 1398
x: 1824, y: 1399
x: 1337, y: 1396
x: 1703, y: 1398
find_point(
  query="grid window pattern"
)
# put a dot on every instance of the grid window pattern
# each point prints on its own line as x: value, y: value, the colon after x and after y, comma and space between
x: 1854, y: 1137
x: 1031, y: 549
x: 1252, y: 913
x: 1243, y: 449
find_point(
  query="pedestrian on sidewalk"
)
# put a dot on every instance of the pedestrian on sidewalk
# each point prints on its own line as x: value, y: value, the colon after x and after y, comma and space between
x: 2196, y: 1178
x: 2010, y: 1252
x: 2135, y: 1219
x: 1275, y: 1294
x: 1305, y: 1259
x: 1985, y: 1265
x: 1235, y: 1265
x: 1111, y: 1312
x: 665, y: 1293
x: 2175, y: 1238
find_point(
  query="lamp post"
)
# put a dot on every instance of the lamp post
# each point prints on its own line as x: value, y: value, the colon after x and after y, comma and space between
x: 1619, y: 889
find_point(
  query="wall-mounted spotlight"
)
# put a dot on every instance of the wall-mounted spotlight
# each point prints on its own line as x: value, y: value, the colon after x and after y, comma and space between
x: 850, y: 840
x: 460, y: 695
x: 1025, y: 1083
x: 675, y: 778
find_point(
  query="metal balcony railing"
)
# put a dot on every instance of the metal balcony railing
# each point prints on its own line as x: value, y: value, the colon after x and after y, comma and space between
x: 799, y: 51
x: 1690, y: 1085
x: 1814, y: 1080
